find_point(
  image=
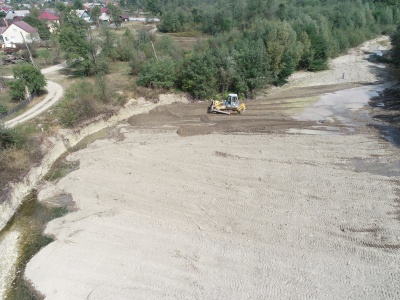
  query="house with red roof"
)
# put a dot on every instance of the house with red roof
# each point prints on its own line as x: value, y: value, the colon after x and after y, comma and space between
x: 50, y: 20
x: 17, y: 32
x: 4, y: 9
x: 46, y: 16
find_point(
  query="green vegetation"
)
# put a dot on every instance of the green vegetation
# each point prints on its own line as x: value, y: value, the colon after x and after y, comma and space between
x: 19, y: 149
x: 30, y: 76
x: 33, y: 20
x: 83, y: 100
x: 395, y: 40
x: 158, y: 73
x: 253, y: 43
x: 8, y: 137
x: 17, y: 90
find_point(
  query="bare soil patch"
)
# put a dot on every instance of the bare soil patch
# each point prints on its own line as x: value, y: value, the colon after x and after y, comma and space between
x: 192, y: 205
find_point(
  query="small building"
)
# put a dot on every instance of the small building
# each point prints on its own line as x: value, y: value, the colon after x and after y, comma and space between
x: 104, y: 19
x: 17, y: 32
x: 124, y: 18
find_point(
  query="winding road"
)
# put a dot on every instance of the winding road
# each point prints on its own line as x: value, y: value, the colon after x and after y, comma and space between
x: 54, y: 94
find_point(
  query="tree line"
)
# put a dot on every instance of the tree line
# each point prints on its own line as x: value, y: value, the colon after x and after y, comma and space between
x: 246, y: 45
x: 254, y: 42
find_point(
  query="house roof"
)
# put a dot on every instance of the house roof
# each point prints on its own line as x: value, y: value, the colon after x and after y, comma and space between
x: 80, y: 12
x: 2, y: 29
x: 48, y: 16
x: 4, y: 8
x: 104, y: 17
x: 104, y: 10
x: 10, y: 15
x: 21, y: 13
x: 25, y: 26
x: 124, y: 16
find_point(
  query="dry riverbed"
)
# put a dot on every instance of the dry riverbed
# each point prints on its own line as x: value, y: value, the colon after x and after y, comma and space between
x: 297, y: 198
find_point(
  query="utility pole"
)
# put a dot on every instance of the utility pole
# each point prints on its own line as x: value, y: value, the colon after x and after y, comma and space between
x: 26, y: 45
x: 155, y: 54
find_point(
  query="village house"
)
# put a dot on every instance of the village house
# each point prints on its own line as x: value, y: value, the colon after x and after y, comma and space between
x: 82, y: 14
x: 17, y: 32
x: 51, y: 20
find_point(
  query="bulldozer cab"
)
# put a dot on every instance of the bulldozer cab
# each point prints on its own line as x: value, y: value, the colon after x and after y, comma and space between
x: 232, y: 101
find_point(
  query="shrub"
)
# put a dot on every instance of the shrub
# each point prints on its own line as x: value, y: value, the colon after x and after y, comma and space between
x: 3, y: 109
x: 10, y: 137
x: 77, y: 105
x: 136, y: 62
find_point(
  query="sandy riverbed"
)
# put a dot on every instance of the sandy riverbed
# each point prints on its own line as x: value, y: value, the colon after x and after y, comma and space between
x: 178, y: 204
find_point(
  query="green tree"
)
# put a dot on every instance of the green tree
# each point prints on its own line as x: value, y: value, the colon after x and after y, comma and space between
x: 115, y: 14
x: 395, y: 52
x: 30, y: 76
x: 77, y: 4
x: 81, y: 48
x: 95, y: 13
x: 166, y: 46
x: 198, y: 76
x: 17, y: 90
x: 33, y: 20
x: 253, y: 63
x: 60, y: 6
x: 125, y: 46
x: 158, y: 73
x: 108, y: 42
x: 170, y: 22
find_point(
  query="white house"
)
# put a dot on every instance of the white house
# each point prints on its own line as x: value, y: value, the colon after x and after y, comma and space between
x: 14, y: 33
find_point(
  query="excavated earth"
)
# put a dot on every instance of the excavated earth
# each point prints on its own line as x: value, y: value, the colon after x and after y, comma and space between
x: 297, y: 198
x: 180, y: 204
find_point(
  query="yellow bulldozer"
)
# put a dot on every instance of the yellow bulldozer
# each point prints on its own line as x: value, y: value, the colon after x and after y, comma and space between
x: 230, y: 105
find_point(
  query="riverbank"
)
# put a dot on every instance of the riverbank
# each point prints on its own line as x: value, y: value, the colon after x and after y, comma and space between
x: 181, y: 204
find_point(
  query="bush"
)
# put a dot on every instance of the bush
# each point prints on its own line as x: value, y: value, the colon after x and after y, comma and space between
x: 78, y: 104
x: 136, y: 62
x: 3, y: 109
x: 10, y: 137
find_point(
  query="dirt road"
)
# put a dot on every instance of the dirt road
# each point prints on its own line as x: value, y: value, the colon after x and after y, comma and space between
x: 272, y: 204
x: 54, y: 94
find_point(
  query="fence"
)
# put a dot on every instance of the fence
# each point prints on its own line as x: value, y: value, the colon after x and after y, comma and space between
x: 20, y: 105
